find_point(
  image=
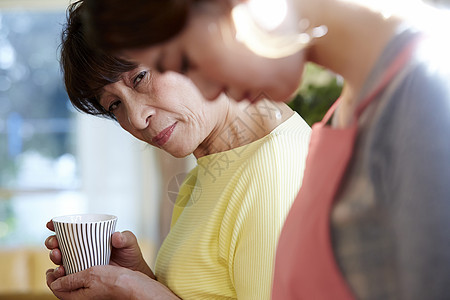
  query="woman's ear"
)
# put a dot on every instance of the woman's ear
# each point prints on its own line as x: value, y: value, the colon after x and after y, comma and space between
x: 269, y: 28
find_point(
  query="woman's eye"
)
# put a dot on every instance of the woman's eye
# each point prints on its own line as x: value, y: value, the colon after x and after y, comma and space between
x: 113, y: 106
x: 139, y: 77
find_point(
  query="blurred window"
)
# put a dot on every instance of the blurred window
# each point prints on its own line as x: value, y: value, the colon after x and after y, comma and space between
x: 38, y: 164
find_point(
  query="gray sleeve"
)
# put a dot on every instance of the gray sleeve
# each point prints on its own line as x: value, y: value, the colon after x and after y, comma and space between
x: 415, y: 183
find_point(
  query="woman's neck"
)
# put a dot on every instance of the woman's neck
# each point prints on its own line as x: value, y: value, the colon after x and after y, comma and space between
x: 243, y: 123
x: 356, y: 38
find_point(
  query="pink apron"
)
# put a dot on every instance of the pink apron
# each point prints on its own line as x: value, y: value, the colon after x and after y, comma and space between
x: 305, y: 265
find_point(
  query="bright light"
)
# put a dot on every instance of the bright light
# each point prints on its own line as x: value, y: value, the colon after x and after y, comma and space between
x: 268, y: 14
x: 269, y: 29
x: 7, y: 54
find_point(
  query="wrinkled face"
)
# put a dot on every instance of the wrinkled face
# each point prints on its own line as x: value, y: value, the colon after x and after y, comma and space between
x: 164, y: 110
x: 208, y: 53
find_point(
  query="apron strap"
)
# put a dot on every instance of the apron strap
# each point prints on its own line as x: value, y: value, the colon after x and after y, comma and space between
x: 330, y: 111
x: 390, y: 73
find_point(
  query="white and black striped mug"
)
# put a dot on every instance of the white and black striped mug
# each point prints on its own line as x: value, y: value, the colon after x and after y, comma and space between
x: 84, y: 240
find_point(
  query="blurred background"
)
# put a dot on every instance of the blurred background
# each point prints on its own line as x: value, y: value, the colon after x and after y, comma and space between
x: 56, y: 161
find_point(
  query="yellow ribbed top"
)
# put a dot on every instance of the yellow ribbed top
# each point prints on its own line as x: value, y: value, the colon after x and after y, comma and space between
x: 228, y: 217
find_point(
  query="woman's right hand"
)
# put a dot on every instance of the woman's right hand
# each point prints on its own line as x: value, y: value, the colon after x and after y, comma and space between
x: 125, y: 252
x: 107, y: 282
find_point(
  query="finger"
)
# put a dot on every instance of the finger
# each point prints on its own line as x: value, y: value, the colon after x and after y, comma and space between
x: 49, y: 276
x: 50, y: 226
x: 53, y: 274
x: 123, y: 239
x: 70, y: 282
x: 56, y: 257
x: 51, y: 242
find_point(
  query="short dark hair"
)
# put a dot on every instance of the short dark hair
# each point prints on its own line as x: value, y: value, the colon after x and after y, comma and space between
x: 117, y: 24
x: 87, y: 70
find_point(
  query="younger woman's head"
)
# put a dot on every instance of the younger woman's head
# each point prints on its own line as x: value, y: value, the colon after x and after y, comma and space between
x: 196, y: 38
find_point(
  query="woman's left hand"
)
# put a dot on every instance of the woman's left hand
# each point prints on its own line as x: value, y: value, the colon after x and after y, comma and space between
x: 106, y: 282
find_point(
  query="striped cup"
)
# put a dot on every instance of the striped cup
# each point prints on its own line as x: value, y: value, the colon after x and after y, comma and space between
x: 84, y: 240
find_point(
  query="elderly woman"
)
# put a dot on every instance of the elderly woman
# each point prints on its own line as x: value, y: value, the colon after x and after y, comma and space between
x: 372, y: 218
x: 230, y: 209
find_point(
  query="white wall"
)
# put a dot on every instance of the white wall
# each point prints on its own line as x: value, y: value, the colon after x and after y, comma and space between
x: 119, y: 175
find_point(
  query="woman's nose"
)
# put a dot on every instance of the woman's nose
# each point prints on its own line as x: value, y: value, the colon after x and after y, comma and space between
x: 139, y: 115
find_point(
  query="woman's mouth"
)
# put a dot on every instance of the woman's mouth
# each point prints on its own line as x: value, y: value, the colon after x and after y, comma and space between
x: 164, y: 135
